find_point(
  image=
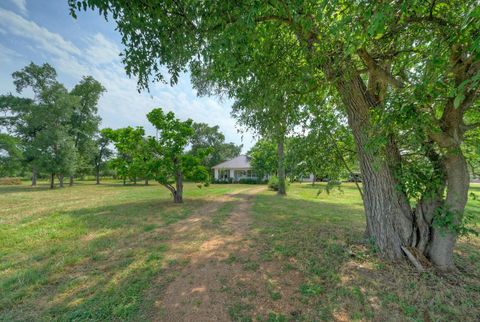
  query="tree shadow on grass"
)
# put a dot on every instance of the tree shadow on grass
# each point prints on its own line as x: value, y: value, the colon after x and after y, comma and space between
x: 91, y: 263
x: 344, y: 278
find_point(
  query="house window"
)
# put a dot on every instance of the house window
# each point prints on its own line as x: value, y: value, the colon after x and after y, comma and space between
x: 223, y: 174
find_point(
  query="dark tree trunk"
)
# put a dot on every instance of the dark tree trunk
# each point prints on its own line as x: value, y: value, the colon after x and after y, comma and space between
x: 444, y: 238
x: 135, y: 180
x: 281, y: 167
x: 60, y: 180
x: 178, y: 194
x: 97, y: 175
x: 71, y: 181
x: 124, y: 181
x: 52, y: 180
x: 314, y: 178
x: 388, y: 214
x: 34, y: 177
x: 146, y: 182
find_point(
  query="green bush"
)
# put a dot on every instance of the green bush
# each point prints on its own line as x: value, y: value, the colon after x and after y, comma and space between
x: 273, y: 183
x: 249, y: 181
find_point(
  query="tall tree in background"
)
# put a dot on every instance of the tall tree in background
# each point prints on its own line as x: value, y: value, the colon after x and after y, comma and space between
x: 85, y: 120
x: 209, y: 137
x: 406, y: 72
x: 171, y: 164
x: 43, y: 124
x: 101, y: 153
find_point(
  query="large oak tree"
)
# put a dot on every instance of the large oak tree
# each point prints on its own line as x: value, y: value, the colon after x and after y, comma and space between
x: 407, y: 73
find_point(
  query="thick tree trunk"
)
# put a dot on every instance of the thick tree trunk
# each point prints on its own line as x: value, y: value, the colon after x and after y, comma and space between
x: 71, y: 181
x: 34, y: 177
x: 281, y: 167
x: 388, y: 214
x: 52, y: 180
x: 60, y: 180
x: 444, y: 238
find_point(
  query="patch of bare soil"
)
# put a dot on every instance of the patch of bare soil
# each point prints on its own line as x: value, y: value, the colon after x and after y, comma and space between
x: 224, y: 277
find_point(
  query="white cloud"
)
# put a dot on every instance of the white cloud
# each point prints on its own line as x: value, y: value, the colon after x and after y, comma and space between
x: 21, y: 6
x: 121, y: 105
x: 50, y: 42
x: 100, y: 50
x: 7, y: 54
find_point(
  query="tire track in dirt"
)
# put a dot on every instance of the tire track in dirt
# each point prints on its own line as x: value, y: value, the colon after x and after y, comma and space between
x: 217, y: 276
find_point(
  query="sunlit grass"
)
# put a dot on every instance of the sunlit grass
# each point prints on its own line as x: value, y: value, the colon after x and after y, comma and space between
x: 320, y: 236
x: 86, y: 252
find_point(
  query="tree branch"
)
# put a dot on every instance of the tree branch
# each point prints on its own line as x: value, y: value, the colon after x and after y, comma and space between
x: 374, y: 67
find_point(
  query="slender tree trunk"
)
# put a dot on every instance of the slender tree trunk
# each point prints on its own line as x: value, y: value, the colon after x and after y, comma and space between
x: 135, y: 180
x: 281, y: 167
x: 124, y: 181
x: 178, y: 196
x: 71, y: 181
x: 60, y: 180
x: 34, y: 177
x: 314, y: 178
x: 97, y: 175
x: 52, y: 180
x: 146, y: 182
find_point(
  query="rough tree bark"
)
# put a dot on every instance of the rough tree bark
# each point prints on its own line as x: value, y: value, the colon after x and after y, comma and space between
x: 52, y: 180
x: 71, y: 181
x: 388, y: 215
x: 60, y: 180
x: 281, y: 167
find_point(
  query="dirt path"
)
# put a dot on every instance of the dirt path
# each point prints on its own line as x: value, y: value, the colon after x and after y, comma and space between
x: 224, y: 278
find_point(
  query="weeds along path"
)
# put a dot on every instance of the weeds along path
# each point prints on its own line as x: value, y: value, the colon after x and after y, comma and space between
x: 222, y: 277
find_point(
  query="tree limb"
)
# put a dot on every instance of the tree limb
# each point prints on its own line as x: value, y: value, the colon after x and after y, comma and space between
x: 374, y: 67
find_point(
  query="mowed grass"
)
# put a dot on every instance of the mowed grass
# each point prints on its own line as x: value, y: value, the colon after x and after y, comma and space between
x: 321, y: 238
x: 107, y: 252
x: 87, y: 252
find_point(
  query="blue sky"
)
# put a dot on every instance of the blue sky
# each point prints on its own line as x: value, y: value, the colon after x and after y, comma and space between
x: 43, y: 31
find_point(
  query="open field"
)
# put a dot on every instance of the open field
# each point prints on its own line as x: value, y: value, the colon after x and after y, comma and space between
x: 230, y: 252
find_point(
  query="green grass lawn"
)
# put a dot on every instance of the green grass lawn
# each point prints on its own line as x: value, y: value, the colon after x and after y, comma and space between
x: 102, y: 252
x: 320, y: 237
x: 86, y: 252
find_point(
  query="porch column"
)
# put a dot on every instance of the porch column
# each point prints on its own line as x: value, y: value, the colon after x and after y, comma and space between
x: 216, y: 174
x: 232, y: 173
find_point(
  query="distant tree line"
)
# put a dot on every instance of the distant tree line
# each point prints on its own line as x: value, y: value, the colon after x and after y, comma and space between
x: 56, y: 134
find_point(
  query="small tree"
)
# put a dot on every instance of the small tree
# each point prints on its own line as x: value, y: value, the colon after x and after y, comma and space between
x: 170, y: 164
x: 127, y: 142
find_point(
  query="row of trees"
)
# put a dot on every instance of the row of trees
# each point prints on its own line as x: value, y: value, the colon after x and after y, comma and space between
x: 56, y: 131
x: 405, y: 75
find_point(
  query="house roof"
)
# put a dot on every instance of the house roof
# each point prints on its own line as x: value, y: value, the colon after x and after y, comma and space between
x: 240, y: 162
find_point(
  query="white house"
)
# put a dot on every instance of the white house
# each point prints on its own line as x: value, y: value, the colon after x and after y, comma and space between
x: 240, y: 168
x: 236, y: 169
